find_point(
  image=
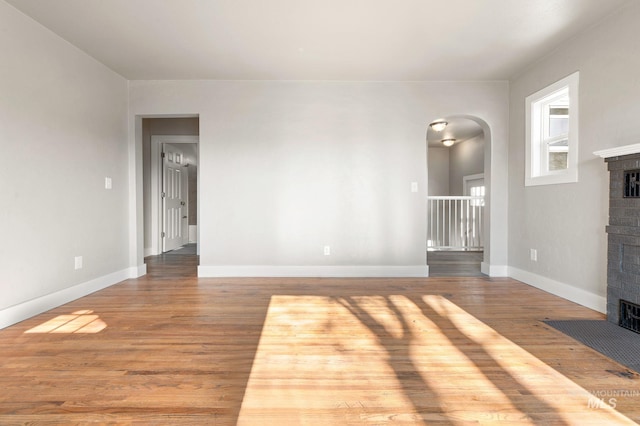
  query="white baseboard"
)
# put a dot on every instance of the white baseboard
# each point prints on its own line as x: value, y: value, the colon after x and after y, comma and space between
x: 494, y: 270
x: 358, y: 271
x: 28, y: 309
x: 566, y: 291
x: 138, y: 271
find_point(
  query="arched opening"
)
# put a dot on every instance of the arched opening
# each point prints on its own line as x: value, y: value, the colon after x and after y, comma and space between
x: 458, y: 165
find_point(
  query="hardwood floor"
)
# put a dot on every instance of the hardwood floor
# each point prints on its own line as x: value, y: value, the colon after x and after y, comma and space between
x: 169, y: 348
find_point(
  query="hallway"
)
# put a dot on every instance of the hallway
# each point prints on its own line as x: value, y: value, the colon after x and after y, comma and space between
x: 177, y: 264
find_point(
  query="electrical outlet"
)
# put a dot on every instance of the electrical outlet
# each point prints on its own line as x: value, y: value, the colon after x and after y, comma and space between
x: 327, y: 250
x: 534, y: 255
x: 414, y: 186
x: 78, y: 262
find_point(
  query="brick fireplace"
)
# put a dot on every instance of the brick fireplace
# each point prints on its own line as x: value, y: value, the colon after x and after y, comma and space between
x: 623, y: 233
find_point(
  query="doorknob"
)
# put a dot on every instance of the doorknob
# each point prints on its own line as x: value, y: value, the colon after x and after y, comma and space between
x: 184, y: 217
x: 182, y: 203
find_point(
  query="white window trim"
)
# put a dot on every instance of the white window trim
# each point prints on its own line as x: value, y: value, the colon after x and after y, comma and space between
x: 533, y: 173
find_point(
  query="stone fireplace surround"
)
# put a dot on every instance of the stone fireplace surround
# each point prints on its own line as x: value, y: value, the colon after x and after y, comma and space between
x: 623, y: 253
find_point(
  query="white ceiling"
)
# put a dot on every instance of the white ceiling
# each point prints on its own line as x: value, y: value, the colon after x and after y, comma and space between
x: 317, y: 39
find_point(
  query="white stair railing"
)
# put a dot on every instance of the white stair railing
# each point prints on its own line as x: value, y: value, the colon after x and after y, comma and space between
x: 455, y: 223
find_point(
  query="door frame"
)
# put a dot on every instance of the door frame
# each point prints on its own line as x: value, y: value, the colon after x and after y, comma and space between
x: 467, y: 179
x: 156, y: 184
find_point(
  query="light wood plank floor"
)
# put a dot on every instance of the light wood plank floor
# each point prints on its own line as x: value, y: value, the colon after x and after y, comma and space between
x: 171, y: 349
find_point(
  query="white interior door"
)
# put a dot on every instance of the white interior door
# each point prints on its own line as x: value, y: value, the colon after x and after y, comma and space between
x: 173, y: 200
x: 184, y: 221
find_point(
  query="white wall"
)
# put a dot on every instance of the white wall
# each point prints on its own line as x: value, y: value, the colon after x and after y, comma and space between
x: 63, y: 129
x: 566, y: 223
x: 466, y: 158
x: 289, y: 167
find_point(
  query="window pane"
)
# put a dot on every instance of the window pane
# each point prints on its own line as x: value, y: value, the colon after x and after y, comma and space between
x: 558, y: 123
x: 558, y: 126
x: 557, y: 132
x: 477, y: 191
x: 557, y: 161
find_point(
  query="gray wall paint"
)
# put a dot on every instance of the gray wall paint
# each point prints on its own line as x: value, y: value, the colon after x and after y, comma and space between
x: 438, y: 170
x: 187, y: 126
x: 566, y: 223
x: 289, y: 167
x: 63, y: 118
x: 466, y: 158
x: 448, y: 166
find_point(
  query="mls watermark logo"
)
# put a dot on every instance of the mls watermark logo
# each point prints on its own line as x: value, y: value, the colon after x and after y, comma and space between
x: 596, y: 403
x: 609, y: 398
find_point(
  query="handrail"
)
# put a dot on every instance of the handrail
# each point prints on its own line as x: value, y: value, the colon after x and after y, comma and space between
x: 447, y: 197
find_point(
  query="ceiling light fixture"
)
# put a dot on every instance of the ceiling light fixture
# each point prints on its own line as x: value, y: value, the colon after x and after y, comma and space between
x: 438, y: 126
x: 448, y: 142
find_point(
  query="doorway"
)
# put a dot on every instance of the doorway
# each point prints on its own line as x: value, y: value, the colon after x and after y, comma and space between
x: 173, y: 192
x: 473, y: 185
x: 170, y: 184
x: 456, y: 197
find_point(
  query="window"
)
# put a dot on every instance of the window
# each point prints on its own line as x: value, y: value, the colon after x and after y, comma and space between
x: 552, y: 134
x: 477, y: 191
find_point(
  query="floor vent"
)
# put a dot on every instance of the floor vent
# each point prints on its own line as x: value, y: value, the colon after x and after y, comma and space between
x: 630, y: 316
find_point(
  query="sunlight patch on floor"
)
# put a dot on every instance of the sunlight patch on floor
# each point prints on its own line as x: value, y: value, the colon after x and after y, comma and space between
x: 365, y: 359
x: 79, y: 322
